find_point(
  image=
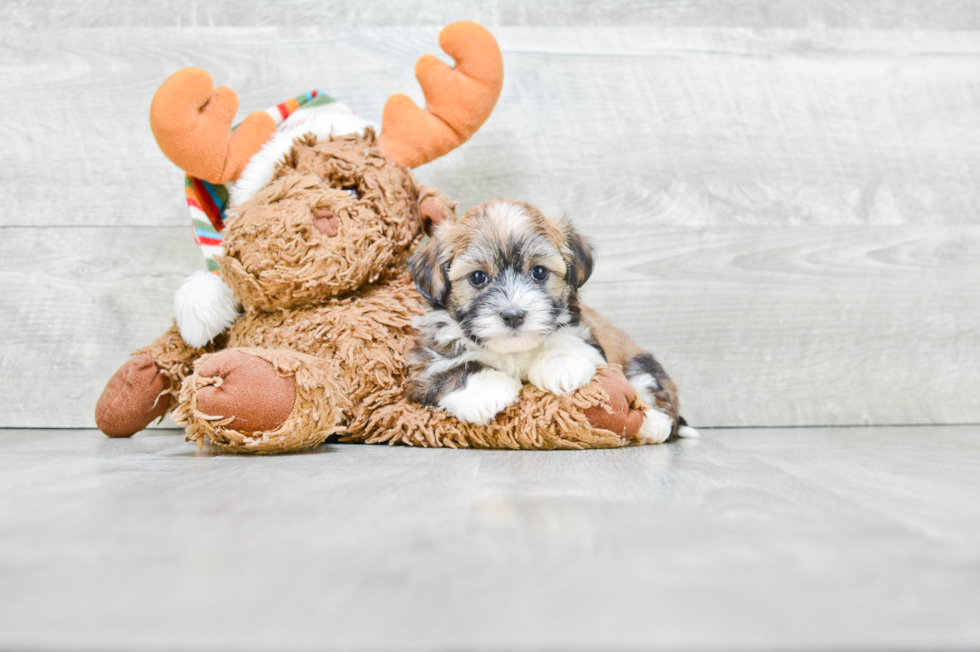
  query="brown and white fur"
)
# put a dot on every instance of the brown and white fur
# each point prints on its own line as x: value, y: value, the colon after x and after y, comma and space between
x: 502, y: 283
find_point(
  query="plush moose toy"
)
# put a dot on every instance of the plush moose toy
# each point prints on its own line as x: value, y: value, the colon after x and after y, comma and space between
x: 305, y: 333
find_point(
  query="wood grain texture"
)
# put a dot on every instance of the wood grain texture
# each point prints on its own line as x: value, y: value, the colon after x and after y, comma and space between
x: 783, y: 194
x: 755, y: 14
x: 76, y: 303
x: 768, y: 539
x: 619, y: 126
x: 759, y: 326
x: 843, y: 325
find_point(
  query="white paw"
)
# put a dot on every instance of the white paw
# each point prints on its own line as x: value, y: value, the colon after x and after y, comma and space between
x: 656, y: 428
x: 561, y: 373
x: 486, y: 393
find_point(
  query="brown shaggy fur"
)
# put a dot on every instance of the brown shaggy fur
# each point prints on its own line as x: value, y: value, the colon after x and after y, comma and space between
x: 335, y: 314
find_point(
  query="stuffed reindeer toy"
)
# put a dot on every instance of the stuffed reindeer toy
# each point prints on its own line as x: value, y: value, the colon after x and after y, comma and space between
x: 309, y: 217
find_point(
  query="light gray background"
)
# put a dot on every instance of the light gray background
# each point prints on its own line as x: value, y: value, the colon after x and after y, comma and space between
x: 782, y: 193
x: 784, y: 198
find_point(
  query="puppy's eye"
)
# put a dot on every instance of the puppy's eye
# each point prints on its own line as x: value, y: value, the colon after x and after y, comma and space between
x: 478, y: 279
x: 539, y: 273
x: 353, y: 191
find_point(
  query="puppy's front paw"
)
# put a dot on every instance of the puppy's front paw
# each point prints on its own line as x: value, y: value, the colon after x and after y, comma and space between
x: 656, y: 428
x: 561, y: 373
x: 486, y: 393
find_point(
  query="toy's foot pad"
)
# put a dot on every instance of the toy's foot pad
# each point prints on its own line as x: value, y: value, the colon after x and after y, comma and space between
x: 134, y: 396
x: 246, y: 388
x: 619, y: 418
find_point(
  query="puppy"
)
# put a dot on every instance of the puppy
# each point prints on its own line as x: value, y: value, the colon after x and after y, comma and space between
x: 502, y: 286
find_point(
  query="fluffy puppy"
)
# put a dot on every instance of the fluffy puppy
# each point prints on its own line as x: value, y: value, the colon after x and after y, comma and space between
x: 502, y: 286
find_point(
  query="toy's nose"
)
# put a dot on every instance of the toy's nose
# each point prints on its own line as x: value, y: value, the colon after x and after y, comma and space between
x: 327, y: 223
x: 513, y: 317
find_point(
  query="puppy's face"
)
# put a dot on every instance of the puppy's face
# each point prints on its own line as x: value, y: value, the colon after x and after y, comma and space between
x: 505, y: 273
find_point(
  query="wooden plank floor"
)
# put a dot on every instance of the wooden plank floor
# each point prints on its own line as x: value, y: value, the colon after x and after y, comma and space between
x: 853, y: 538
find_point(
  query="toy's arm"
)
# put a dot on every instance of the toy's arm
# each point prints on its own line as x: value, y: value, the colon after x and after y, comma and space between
x: 603, y: 414
x: 191, y: 121
x: 147, y: 386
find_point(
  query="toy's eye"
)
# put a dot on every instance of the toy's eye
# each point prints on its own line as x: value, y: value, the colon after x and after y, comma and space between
x: 353, y: 191
x: 478, y: 279
x: 539, y: 273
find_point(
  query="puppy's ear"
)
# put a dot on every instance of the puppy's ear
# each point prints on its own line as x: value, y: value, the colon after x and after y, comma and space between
x: 430, y: 275
x: 579, y: 257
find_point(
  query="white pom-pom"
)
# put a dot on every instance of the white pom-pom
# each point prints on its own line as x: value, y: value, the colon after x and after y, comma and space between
x: 204, y: 307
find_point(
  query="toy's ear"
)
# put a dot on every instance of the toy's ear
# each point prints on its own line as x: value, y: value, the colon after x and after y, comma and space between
x: 457, y: 100
x: 191, y: 121
x: 578, y: 257
x: 430, y: 275
x: 431, y: 215
x: 434, y: 209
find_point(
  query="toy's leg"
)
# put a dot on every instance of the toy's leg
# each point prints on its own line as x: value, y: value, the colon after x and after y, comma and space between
x: 136, y: 394
x: 652, y: 384
x: 262, y: 400
x: 146, y: 386
x: 621, y: 413
x: 603, y: 414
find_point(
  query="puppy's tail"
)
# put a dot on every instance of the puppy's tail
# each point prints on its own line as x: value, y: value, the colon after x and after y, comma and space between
x: 642, y: 370
x: 686, y: 431
x: 656, y: 388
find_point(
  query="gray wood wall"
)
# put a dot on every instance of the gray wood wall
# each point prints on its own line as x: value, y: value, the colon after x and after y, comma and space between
x: 783, y: 194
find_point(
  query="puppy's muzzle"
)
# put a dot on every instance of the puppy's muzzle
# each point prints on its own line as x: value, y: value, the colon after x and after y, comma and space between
x: 513, y: 317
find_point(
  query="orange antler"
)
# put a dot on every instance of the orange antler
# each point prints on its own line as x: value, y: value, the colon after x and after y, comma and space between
x: 191, y: 120
x: 458, y: 100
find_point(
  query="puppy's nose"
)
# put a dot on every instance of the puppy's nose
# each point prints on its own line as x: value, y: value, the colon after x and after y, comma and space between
x: 327, y: 223
x: 513, y: 317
